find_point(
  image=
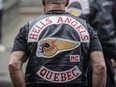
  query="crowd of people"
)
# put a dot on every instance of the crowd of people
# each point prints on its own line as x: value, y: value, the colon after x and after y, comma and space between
x: 73, y: 44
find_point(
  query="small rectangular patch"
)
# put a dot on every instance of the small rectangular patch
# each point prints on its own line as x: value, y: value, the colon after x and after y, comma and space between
x: 74, y: 58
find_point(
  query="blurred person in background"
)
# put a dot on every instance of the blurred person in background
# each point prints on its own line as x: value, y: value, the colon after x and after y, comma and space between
x: 114, y: 17
x: 114, y: 13
x: 57, y: 46
x: 112, y: 10
x: 112, y: 5
x: 2, y: 48
x: 98, y: 14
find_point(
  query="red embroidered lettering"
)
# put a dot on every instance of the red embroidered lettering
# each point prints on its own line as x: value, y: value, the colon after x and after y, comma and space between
x: 79, y: 28
x: 69, y: 75
x: 85, y: 38
x: 74, y: 58
x: 38, y: 27
x: 49, y: 75
x: 63, y: 77
x: 68, y: 20
x: 75, y: 72
x: 43, y: 72
x: 74, y: 23
x: 49, y: 21
x: 60, y: 20
x: 56, y: 75
x: 59, y: 77
x: 35, y: 31
x: 33, y: 36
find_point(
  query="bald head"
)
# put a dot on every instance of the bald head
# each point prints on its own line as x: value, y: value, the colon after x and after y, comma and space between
x: 59, y: 2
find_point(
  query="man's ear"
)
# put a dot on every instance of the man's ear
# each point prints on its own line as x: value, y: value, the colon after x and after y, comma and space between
x: 67, y: 3
x: 43, y: 2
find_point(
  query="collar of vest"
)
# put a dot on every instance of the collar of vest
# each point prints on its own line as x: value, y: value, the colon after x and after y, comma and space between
x: 57, y: 12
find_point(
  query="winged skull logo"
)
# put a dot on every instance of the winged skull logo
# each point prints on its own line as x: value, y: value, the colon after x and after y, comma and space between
x: 51, y: 46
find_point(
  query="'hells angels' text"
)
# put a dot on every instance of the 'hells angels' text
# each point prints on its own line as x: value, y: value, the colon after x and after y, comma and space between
x: 42, y: 24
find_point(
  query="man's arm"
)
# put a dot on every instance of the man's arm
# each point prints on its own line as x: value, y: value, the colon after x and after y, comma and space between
x: 99, y: 69
x: 17, y: 59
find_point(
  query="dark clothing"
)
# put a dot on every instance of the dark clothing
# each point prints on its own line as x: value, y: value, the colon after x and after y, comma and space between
x: 57, y: 85
x: 111, y: 74
x: 1, y: 17
x: 98, y: 14
x: 58, y: 46
x: 110, y: 71
x: 114, y: 13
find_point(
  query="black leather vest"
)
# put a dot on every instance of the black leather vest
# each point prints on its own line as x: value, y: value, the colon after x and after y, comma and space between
x: 58, y: 48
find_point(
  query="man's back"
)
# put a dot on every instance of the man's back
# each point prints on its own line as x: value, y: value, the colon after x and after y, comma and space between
x: 58, y: 49
x: 58, y: 46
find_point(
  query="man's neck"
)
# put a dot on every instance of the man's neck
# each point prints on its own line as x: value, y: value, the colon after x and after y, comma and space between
x: 54, y: 7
